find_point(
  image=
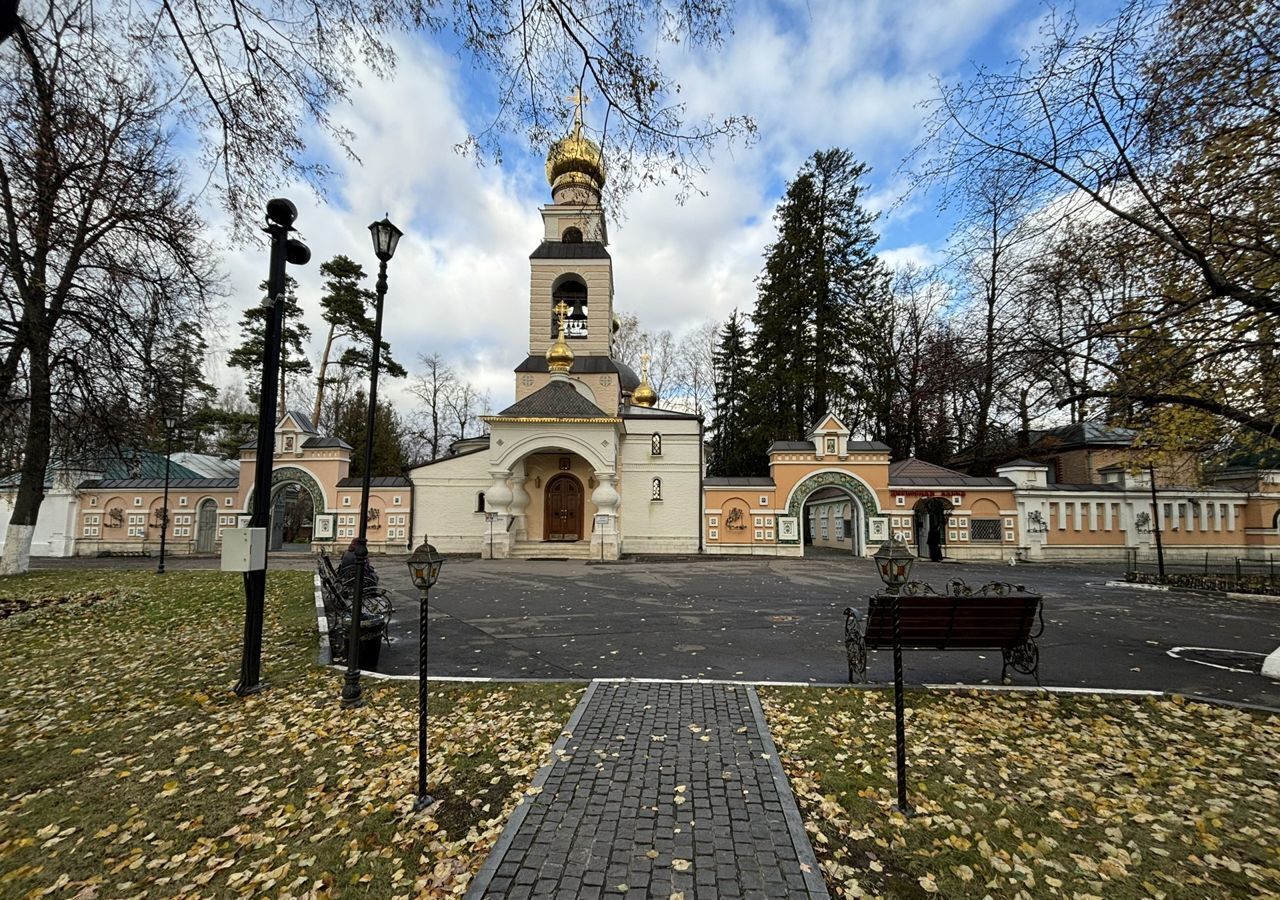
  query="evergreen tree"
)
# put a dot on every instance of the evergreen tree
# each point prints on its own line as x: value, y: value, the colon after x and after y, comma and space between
x: 818, y: 295
x: 733, y: 449
x: 344, y: 307
x: 389, y: 456
x: 293, y: 354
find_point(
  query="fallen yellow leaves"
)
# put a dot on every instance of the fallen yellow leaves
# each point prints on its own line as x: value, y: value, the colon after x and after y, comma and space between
x: 1029, y: 796
x: 130, y: 769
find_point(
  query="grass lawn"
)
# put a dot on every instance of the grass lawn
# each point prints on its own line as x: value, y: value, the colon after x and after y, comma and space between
x: 1025, y: 795
x: 128, y: 768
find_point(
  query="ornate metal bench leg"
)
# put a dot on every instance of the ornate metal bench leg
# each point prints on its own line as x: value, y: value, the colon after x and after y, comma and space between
x: 1024, y: 658
x: 856, y: 649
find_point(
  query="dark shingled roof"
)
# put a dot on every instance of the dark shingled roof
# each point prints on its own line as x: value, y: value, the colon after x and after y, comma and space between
x: 576, y: 250
x: 587, y: 365
x: 377, y: 481
x: 304, y: 423
x: 918, y: 473
x: 1022, y: 461
x: 1103, y: 486
x: 329, y: 441
x: 153, y: 484
x: 741, y: 481
x: 807, y: 446
x: 558, y: 400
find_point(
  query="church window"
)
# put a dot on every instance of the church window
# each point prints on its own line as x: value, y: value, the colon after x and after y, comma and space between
x: 572, y: 235
x: 480, y: 502
x: 573, y: 293
x: 839, y: 529
x: 656, y: 493
x: 655, y: 444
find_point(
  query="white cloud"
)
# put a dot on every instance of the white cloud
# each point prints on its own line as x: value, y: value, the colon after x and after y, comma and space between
x: 813, y: 74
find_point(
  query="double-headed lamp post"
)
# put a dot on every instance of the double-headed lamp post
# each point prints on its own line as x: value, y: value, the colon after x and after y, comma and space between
x: 385, y: 238
x: 170, y: 422
x: 424, y: 568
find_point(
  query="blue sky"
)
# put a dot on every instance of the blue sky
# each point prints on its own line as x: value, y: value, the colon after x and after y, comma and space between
x: 813, y: 75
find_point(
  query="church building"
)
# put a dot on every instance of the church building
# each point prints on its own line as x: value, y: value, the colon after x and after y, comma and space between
x: 585, y: 464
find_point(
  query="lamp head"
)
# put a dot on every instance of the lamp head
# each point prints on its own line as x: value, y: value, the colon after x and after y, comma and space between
x: 170, y: 423
x: 424, y: 566
x: 893, y: 562
x: 296, y: 253
x: 385, y: 238
x: 282, y: 212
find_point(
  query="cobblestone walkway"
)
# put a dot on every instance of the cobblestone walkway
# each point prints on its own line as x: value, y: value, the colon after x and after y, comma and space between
x: 657, y: 789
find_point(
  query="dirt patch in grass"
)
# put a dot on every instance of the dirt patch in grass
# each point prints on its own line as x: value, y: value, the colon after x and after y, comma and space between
x: 1035, y: 795
x: 128, y: 768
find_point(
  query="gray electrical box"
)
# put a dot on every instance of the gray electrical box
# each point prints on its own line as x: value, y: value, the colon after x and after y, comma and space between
x: 244, y: 549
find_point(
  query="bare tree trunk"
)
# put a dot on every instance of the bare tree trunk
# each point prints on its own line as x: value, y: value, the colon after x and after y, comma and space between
x: 324, y: 366
x: 35, y: 461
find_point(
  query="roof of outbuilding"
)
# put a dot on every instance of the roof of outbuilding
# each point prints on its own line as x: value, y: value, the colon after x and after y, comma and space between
x: 851, y: 446
x: 918, y: 473
x: 558, y: 400
x: 377, y: 481
x: 653, y: 412
x: 155, y: 484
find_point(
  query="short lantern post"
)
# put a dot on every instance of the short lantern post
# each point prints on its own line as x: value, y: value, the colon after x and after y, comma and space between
x: 893, y: 560
x: 424, y: 568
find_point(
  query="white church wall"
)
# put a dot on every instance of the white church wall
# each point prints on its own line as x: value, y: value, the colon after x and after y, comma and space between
x: 669, y: 525
x: 444, y: 502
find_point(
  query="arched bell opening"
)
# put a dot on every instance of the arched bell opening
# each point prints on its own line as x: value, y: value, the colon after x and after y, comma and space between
x: 572, y: 291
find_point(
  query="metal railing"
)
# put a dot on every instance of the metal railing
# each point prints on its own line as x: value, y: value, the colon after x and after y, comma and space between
x: 1210, y: 570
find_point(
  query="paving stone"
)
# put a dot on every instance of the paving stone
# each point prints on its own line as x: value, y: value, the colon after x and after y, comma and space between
x: 618, y: 794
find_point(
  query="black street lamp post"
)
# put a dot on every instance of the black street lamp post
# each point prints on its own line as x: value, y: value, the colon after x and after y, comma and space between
x: 169, y: 423
x: 424, y: 568
x: 385, y: 238
x: 893, y: 560
x: 284, y: 249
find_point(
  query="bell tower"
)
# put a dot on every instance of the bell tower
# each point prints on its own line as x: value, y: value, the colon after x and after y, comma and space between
x: 572, y: 265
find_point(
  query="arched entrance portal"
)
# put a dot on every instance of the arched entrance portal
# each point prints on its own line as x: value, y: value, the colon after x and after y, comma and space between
x: 860, y: 500
x: 931, y: 515
x: 832, y: 520
x: 562, y: 516
x: 292, y: 512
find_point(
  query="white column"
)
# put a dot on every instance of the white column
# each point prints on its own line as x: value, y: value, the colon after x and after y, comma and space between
x: 497, y: 500
x: 606, y: 540
x: 519, y: 504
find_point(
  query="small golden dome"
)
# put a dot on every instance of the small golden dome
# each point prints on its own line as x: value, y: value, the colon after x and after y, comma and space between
x: 559, y: 356
x: 644, y: 394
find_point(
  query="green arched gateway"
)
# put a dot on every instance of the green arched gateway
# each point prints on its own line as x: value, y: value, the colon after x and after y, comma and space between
x: 800, y: 493
x: 293, y: 475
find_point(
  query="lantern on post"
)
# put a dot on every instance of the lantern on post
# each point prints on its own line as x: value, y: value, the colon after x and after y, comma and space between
x: 424, y: 568
x: 893, y: 561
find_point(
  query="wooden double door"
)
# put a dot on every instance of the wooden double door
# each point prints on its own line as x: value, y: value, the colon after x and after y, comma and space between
x: 562, y: 514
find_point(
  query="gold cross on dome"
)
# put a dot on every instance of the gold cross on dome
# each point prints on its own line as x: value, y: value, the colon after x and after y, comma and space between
x: 579, y: 100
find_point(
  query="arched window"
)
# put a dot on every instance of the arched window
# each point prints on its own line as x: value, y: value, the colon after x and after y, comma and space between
x: 572, y: 235
x: 480, y: 502
x: 656, y: 493
x: 655, y: 444
x: 574, y: 294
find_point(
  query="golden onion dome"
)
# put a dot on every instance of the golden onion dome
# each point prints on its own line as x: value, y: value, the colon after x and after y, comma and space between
x: 575, y: 160
x: 644, y: 395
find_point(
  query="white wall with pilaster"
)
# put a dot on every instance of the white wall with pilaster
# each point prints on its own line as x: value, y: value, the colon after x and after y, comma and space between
x: 671, y: 524
x: 444, y: 502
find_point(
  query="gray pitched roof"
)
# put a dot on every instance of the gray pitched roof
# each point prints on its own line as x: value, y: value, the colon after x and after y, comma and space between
x: 575, y: 250
x: 1025, y: 463
x: 654, y: 412
x: 329, y: 441
x: 807, y: 446
x: 303, y: 422
x: 378, y: 481
x: 155, y: 484
x: 738, y: 481
x: 558, y: 400
x: 918, y: 473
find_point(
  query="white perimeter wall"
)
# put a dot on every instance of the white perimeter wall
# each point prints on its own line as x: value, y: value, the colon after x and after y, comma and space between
x: 55, y: 526
x: 444, y: 502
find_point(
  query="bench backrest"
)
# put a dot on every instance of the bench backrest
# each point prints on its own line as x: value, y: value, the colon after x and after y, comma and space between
x: 935, y: 622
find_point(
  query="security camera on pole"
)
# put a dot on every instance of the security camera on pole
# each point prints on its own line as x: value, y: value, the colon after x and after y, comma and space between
x: 247, y: 552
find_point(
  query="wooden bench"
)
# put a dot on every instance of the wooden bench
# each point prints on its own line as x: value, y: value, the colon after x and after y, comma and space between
x: 996, y: 616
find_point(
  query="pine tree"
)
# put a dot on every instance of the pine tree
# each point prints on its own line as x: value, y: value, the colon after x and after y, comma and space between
x: 821, y: 286
x: 733, y: 448
x: 344, y: 307
x: 181, y: 387
x: 389, y: 456
x: 293, y: 355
